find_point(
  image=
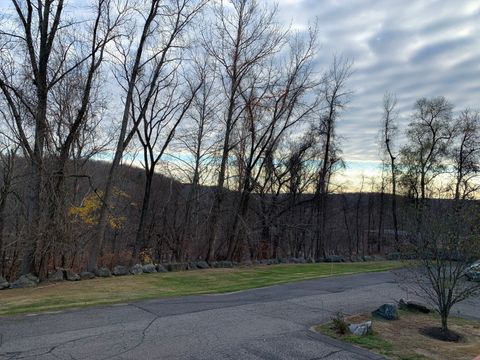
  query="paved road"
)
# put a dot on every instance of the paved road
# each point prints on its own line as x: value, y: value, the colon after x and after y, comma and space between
x: 268, y: 323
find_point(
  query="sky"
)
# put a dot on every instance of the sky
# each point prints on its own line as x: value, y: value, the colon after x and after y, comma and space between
x: 412, y: 48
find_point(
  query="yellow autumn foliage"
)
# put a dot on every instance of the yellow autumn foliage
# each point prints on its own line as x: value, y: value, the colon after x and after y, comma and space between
x: 88, y: 211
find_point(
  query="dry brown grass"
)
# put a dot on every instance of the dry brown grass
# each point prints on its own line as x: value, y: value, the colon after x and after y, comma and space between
x: 401, y: 339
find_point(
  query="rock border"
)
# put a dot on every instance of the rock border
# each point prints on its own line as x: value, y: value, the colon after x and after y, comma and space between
x: 60, y: 274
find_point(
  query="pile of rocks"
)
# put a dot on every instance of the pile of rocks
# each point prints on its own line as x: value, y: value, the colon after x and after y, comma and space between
x: 4, y: 284
x: 387, y: 312
x: 30, y: 280
x: 25, y: 281
x: 57, y: 275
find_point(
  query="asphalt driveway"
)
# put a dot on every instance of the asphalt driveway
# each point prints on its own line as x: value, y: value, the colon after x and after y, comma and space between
x: 268, y: 323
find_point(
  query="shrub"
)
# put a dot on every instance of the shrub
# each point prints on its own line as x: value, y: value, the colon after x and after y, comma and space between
x: 339, y: 325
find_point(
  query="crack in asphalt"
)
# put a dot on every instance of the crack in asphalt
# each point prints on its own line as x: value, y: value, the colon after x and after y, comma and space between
x: 11, y: 355
x: 142, y: 338
x: 50, y: 350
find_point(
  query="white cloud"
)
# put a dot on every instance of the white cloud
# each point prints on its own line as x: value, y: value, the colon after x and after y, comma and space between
x: 415, y: 48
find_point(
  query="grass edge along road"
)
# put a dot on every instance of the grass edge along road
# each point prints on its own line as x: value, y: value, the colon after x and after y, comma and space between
x: 104, y: 291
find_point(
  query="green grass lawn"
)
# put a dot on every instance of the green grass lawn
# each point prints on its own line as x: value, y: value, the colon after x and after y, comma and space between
x: 57, y: 296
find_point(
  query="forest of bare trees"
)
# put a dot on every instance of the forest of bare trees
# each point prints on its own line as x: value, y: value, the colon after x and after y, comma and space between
x: 178, y: 130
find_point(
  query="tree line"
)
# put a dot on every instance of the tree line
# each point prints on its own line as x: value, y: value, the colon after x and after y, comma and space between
x: 174, y: 130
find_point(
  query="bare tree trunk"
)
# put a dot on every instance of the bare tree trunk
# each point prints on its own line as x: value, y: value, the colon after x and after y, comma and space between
x: 140, y: 238
x: 219, y: 189
x: 444, y: 317
x: 380, y: 237
x: 96, y: 243
x: 123, y: 139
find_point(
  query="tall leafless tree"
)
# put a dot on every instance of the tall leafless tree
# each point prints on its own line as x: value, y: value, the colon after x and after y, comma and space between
x: 244, y: 36
x: 465, y: 154
x: 428, y: 136
x: 335, y: 96
x: 389, y: 138
x: 142, y: 57
x: 171, y: 100
x: 40, y: 54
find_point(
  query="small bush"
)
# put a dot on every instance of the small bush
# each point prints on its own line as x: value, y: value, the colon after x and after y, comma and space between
x: 339, y: 325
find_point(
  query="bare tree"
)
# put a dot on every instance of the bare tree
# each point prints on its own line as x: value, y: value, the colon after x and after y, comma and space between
x: 389, y: 135
x: 171, y: 101
x: 287, y: 171
x: 275, y: 102
x: 465, y: 154
x: 358, y: 218
x: 40, y: 53
x: 335, y: 97
x: 428, y: 136
x: 445, y: 245
x: 142, y: 57
x: 8, y: 155
x: 195, y: 147
x: 244, y: 35
x: 381, y: 229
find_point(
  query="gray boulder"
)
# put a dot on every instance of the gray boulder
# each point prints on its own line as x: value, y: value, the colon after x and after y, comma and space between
x: 387, y: 312
x: 311, y: 260
x: 177, y: 267
x: 160, y: 268
x: 87, y: 275
x: 394, y: 256
x: 369, y: 258
x: 25, y: 281
x: 222, y: 264
x: 103, y: 272
x: 298, y: 261
x: 192, y: 266
x: 413, y: 306
x: 71, y: 276
x: 120, y: 270
x: 334, y: 259
x: 149, y: 268
x: 202, y: 265
x: 136, y: 269
x: 361, y: 329
x: 56, y: 275
x: 409, y: 256
x: 4, y: 284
